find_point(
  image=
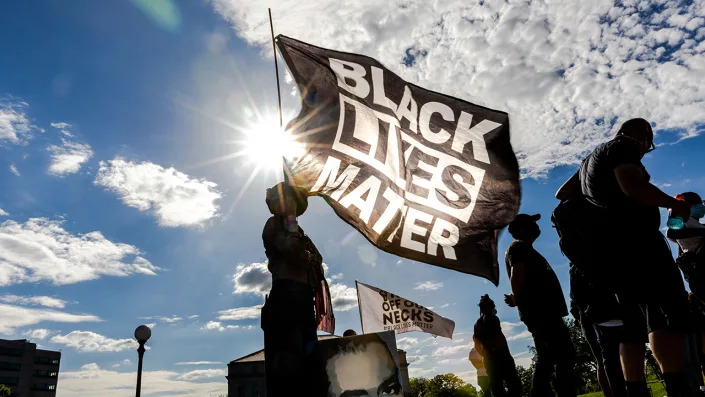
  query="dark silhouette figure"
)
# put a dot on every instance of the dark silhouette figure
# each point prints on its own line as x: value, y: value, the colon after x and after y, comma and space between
x: 537, y: 294
x: 292, y: 311
x: 490, y: 341
x: 632, y: 257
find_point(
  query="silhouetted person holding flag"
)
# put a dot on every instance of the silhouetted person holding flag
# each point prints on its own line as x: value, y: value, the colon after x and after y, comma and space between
x: 537, y: 294
x: 498, y: 361
x: 622, y: 221
x: 299, y: 300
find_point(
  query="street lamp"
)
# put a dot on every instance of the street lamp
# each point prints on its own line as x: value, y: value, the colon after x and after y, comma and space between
x: 142, y: 334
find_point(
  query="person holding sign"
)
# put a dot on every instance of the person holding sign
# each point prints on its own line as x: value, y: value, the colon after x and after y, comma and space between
x: 498, y: 360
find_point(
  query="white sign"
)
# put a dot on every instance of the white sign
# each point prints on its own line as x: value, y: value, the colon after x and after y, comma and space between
x: 384, y: 311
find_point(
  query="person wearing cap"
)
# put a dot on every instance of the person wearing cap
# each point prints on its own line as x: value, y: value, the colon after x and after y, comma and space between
x: 632, y: 257
x: 537, y: 295
x: 299, y: 300
x: 491, y: 343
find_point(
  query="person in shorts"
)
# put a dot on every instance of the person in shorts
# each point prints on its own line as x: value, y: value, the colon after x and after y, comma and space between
x: 636, y: 261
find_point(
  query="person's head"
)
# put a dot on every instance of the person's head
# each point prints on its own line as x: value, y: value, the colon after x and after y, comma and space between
x: 284, y: 199
x: 349, y: 332
x: 638, y: 131
x: 361, y: 366
x: 525, y: 228
x: 487, y: 305
x: 697, y: 205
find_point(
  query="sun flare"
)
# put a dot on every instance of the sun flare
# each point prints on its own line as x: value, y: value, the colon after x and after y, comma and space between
x: 265, y: 144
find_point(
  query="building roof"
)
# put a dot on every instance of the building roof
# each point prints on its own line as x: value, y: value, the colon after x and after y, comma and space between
x: 259, y: 354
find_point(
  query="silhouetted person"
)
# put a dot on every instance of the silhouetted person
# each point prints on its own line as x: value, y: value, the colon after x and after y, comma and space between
x: 499, y: 362
x: 690, y: 240
x: 623, y: 214
x: 477, y: 360
x: 289, y: 319
x: 597, y: 312
x: 537, y: 294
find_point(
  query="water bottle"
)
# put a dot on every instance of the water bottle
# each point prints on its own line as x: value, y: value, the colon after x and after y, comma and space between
x: 675, y: 222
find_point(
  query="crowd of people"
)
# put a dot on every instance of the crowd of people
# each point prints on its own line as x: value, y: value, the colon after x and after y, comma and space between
x: 625, y: 287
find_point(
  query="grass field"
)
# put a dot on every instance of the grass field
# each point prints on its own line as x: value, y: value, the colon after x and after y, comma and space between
x: 657, y: 390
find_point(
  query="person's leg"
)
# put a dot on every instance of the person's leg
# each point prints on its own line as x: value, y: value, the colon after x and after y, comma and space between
x: 592, y: 339
x: 511, y: 376
x: 287, y: 355
x: 564, y: 352
x: 494, y: 372
x: 632, y: 350
x: 609, y: 339
x: 544, y: 365
x: 667, y: 343
x: 484, y: 383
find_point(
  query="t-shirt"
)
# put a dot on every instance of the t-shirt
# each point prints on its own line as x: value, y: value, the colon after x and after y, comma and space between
x: 477, y: 361
x: 692, y: 243
x: 489, y: 332
x: 541, y: 296
x: 599, y: 184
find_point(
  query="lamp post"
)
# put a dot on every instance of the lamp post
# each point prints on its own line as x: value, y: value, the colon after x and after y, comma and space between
x: 142, y: 334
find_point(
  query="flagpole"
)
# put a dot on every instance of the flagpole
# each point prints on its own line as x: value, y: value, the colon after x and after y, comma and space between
x: 276, y: 68
x: 359, y: 308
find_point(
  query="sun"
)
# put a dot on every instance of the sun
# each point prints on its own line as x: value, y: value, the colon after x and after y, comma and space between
x: 264, y: 144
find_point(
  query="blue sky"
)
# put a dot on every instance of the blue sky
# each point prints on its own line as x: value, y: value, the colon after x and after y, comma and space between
x: 116, y: 213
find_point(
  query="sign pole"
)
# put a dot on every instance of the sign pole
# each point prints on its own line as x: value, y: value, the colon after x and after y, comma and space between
x: 359, y: 307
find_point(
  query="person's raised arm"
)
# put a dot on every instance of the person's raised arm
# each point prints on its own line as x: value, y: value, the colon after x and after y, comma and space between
x: 632, y: 182
x: 569, y: 188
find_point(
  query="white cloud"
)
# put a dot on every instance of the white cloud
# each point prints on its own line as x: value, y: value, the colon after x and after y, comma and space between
x: 445, y: 351
x: 47, y: 301
x: 204, y: 374
x: 252, y: 279
x: 521, y: 335
x: 199, y: 363
x: 195, y: 316
x: 256, y: 279
x: 176, y: 199
x: 240, y: 313
x: 41, y: 250
x: 60, y: 125
x: 87, y: 341
x: 343, y: 297
x: 3, y: 212
x: 429, y: 286
x: 566, y: 72
x: 106, y: 383
x: 169, y: 320
x: 68, y: 158
x: 406, y: 343
x: 89, y: 367
x: 122, y: 363
x: 16, y: 316
x: 213, y: 325
x: 39, y: 333
x: 14, y: 125
x: 218, y: 326
x: 14, y: 170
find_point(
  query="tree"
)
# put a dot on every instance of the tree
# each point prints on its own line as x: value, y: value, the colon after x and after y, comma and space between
x: 5, y: 391
x: 446, y: 385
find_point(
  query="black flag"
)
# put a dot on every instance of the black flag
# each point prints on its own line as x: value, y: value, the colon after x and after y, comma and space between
x: 420, y: 174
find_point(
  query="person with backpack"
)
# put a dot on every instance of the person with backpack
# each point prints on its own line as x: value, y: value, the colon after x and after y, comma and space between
x: 632, y: 256
x: 299, y: 301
